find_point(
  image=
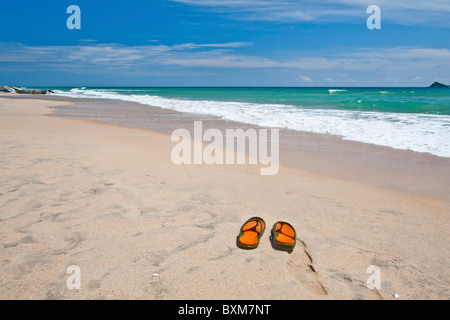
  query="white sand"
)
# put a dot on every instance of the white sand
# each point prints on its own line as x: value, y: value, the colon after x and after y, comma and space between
x: 109, y: 199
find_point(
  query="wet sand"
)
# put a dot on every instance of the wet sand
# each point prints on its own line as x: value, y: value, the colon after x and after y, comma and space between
x: 108, y: 199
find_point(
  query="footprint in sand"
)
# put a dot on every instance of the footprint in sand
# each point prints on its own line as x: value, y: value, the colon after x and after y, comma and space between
x: 300, y: 267
x: 359, y: 290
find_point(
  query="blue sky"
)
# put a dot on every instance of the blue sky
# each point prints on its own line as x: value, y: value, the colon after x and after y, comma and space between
x: 225, y: 43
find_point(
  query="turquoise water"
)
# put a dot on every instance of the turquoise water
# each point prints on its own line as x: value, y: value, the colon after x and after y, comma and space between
x: 403, y: 100
x: 416, y: 119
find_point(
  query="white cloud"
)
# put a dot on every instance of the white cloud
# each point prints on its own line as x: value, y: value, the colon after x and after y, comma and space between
x: 304, y: 79
x: 391, y: 64
x: 409, y: 12
x: 116, y: 54
x: 189, y: 46
x: 222, y: 55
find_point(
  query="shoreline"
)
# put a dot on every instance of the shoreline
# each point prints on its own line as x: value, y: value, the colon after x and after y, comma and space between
x: 108, y: 199
x: 323, y: 154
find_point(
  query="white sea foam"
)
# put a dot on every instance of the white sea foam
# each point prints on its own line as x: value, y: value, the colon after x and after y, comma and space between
x: 417, y: 132
x: 336, y: 90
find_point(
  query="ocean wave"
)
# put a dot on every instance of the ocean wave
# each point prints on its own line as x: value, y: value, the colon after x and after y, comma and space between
x: 417, y: 132
x: 336, y: 90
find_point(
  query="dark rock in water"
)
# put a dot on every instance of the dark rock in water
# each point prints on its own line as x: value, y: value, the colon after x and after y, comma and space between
x: 439, y: 85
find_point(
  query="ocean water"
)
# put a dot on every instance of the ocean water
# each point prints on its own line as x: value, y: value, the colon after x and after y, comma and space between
x: 416, y: 119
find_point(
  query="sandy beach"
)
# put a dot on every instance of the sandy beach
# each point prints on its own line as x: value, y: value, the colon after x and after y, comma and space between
x: 108, y: 199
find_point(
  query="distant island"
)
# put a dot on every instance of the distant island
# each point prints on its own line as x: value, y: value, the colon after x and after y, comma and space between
x: 439, y: 85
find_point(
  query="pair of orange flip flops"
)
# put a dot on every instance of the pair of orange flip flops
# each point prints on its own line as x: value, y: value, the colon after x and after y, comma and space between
x: 283, y: 234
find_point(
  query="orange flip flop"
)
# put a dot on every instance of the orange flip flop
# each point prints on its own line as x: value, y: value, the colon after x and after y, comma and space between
x: 283, y: 236
x: 250, y: 233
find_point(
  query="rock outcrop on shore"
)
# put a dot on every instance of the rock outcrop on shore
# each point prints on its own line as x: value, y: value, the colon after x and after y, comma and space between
x: 23, y: 91
x: 5, y: 89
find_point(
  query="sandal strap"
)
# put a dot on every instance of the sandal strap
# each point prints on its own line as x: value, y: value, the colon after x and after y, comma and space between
x: 281, y: 228
x: 258, y: 223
